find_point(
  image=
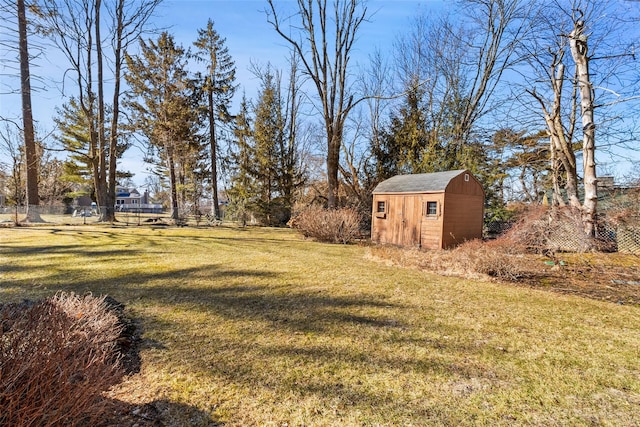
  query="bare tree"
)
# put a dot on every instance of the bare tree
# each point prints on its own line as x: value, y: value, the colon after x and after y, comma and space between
x: 359, y: 170
x: 33, y: 200
x: 76, y: 26
x: 579, y: 51
x: 592, y: 35
x: 11, y: 148
x: 460, y: 61
x: 324, y: 43
x: 563, y: 158
x: 128, y: 22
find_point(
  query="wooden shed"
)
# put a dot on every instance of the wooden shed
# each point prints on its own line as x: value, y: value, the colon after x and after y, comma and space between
x: 430, y: 210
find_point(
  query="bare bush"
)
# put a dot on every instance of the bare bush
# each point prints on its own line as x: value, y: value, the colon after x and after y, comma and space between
x: 492, y: 259
x: 328, y: 225
x: 541, y: 229
x: 56, y: 358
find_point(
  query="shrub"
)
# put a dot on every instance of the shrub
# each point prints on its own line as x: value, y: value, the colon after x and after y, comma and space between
x: 328, y: 225
x: 543, y: 230
x: 56, y: 358
x: 491, y: 259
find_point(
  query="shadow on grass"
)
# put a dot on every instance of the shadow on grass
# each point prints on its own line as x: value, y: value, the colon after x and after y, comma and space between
x: 338, y: 349
x: 157, y: 413
x: 301, y: 335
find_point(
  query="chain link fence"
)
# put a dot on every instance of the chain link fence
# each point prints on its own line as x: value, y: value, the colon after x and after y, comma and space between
x: 82, y: 215
x: 628, y: 240
x: 565, y: 235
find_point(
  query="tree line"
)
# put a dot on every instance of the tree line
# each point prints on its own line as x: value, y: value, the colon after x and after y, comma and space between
x: 516, y: 91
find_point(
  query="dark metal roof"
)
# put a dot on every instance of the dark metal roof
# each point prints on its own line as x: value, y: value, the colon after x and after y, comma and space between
x: 418, y: 183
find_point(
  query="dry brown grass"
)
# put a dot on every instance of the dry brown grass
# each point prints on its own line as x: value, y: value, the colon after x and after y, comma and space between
x: 258, y: 327
x: 472, y: 260
x: 612, y: 277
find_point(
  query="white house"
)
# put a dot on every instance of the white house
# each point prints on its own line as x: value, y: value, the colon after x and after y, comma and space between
x: 127, y: 199
x: 130, y: 200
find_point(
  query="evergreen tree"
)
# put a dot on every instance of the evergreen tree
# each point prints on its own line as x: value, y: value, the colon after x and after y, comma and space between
x: 267, y: 131
x: 218, y: 83
x: 73, y: 134
x: 276, y: 170
x: 241, y: 190
x: 162, y: 104
x: 405, y: 140
x: 411, y: 143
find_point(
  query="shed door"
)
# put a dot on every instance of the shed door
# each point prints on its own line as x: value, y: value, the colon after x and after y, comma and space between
x: 411, y: 221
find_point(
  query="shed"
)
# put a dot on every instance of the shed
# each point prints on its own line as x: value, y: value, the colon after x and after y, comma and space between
x: 430, y: 210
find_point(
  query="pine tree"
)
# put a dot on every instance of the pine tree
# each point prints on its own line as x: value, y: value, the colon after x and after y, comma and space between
x: 405, y: 144
x: 73, y: 134
x: 267, y: 131
x: 218, y: 83
x: 242, y: 189
x: 163, y: 104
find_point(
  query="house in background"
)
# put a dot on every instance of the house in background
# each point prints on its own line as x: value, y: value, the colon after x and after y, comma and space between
x: 431, y: 211
x: 130, y: 200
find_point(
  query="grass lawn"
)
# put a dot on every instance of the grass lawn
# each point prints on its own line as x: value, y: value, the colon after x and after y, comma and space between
x: 258, y: 327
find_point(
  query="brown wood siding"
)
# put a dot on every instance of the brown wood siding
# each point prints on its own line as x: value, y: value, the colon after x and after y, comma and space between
x: 431, y: 236
x: 395, y: 220
x: 379, y: 223
x: 458, y: 185
x: 460, y: 216
x: 401, y: 222
x: 463, y: 218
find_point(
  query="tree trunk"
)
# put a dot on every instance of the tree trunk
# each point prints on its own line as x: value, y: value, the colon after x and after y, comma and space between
x: 33, y: 199
x: 556, y: 167
x: 579, y: 49
x: 333, y: 160
x: 560, y: 144
x: 315, y: 49
x: 172, y: 180
x: 113, y: 134
x: 106, y: 211
x: 215, y: 208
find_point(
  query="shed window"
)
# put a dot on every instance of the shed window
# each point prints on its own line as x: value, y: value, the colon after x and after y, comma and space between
x: 381, y: 207
x: 431, y: 209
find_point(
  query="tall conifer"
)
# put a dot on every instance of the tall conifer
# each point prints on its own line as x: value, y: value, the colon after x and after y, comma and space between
x: 218, y: 84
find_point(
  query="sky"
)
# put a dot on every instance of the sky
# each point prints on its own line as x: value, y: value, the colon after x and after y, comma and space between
x: 249, y: 38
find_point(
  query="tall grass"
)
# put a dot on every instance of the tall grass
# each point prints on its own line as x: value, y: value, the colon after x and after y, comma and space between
x: 260, y: 327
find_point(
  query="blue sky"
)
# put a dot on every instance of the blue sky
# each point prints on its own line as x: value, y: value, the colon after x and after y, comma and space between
x: 249, y: 37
